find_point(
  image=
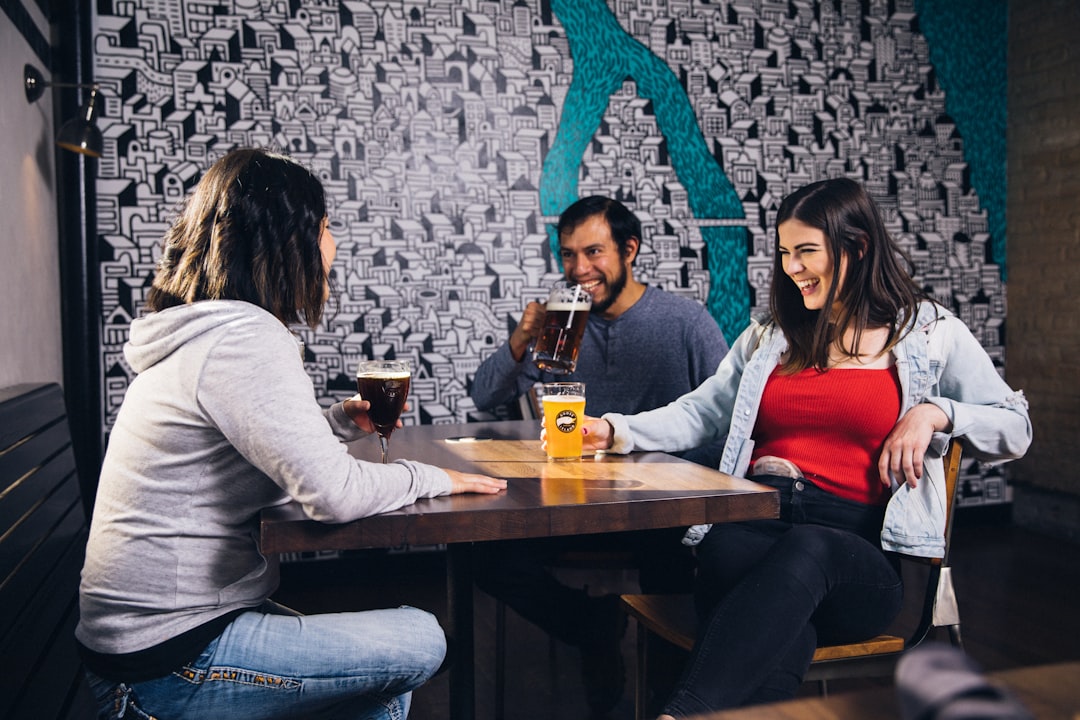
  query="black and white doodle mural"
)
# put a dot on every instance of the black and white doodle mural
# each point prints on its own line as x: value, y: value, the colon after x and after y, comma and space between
x: 449, y: 135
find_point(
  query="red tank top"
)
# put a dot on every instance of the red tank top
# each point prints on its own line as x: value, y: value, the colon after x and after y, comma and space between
x: 832, y: 425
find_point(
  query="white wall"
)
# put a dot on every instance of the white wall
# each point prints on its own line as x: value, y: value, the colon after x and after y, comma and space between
x: 30, y: 334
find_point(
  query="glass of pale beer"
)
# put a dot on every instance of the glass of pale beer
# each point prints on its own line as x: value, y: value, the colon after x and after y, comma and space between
x: 384, y: 384
x: 565, y: 315
x: 564, y: 410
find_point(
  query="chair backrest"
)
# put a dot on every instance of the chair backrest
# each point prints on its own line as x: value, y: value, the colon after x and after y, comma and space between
x: 529, y: 404
x: 952, y: 480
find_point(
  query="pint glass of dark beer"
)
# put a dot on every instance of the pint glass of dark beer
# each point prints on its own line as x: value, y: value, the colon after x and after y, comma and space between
x: 557, y: 348
x: 384, y: 384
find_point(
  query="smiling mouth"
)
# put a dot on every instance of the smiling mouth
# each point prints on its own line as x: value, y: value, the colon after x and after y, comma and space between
x: 590, y: 286
x: 807, y: 287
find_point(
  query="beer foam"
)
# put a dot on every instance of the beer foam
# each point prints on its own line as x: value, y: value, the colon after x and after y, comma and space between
x: 562, y: 399
x: 385, y: 374
x: 567, y: 305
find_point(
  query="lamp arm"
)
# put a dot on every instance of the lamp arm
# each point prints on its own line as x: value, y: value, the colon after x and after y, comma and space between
x: 91, y: 86
x: 34, y: 84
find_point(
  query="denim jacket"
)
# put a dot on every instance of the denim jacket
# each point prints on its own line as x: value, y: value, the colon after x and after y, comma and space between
x: 938, y: 361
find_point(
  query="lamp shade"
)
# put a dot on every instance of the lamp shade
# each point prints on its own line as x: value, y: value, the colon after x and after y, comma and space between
x: 81, y: 134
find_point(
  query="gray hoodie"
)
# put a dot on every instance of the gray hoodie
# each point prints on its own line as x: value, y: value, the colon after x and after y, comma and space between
x: 220, y: 422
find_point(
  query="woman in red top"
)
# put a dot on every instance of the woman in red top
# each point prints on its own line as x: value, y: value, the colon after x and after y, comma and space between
x: 840, y: 400
x: 824, y: 415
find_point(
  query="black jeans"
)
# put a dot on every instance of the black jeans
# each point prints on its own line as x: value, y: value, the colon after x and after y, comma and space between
x: 769, y: 592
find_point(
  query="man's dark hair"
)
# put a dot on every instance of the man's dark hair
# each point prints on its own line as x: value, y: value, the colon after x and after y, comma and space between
x: 623, y: 223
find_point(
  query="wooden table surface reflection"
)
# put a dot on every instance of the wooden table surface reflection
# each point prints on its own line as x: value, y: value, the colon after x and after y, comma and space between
x: 605, y: 493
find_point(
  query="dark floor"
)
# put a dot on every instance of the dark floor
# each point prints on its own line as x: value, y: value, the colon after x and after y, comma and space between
x: 1017, y: 595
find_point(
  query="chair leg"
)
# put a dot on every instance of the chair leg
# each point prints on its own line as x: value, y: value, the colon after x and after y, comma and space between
x: 500, y: 659
x: 641, y: 686
x: 553, y: 664
x: 954, y: 636
x: 823, y: 688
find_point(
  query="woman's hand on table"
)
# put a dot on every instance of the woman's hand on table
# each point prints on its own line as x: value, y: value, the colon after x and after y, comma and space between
x: 597, y: 434
x: 467, y: 483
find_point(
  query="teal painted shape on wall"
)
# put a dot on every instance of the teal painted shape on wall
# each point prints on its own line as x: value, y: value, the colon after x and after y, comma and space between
x: 968, y: 42
x: 604, y: 56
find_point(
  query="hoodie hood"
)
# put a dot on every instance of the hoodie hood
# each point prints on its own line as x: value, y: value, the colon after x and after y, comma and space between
x: 156, y: 336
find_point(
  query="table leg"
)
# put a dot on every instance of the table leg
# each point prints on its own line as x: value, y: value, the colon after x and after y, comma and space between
x: 459, y: 589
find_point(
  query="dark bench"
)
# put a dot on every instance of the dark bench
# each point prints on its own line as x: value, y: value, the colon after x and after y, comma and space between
x: 43, y: 529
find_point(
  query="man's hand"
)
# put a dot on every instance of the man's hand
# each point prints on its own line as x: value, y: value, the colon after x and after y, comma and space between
x: 532, y: 322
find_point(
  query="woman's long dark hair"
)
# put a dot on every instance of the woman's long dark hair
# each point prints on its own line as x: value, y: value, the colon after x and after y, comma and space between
x: 249, y: 231
x: 878, y: 290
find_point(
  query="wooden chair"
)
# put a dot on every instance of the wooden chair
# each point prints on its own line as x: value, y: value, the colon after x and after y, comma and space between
x: 529, y: 405
x: 674, y: 619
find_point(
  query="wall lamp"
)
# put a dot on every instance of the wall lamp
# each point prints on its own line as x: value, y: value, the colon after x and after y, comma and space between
x: 79, y: 134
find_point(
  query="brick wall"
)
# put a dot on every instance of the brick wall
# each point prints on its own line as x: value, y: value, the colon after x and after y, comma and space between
x: 1043, y: 220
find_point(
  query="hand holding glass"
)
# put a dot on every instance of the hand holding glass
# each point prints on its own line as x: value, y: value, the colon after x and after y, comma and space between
x: 384, y: 384
x: 565, y: 315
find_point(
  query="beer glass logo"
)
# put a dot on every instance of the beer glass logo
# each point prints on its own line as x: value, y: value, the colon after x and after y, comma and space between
x: 566, y: 421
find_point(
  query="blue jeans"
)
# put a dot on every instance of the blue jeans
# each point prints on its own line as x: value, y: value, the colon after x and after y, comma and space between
x: 770, y: 591
x: 269, y: 664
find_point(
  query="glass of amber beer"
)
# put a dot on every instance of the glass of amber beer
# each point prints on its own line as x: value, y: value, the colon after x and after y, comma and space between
x: 384, y: 384
x: 564, y: 409
x: 567, y: 310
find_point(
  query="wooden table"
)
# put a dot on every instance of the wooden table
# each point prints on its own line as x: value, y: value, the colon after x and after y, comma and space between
x: 1050, y: 692
x: 606, y: 493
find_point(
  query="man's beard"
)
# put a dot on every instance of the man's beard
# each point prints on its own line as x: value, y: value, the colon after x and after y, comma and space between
x: 614, y: 291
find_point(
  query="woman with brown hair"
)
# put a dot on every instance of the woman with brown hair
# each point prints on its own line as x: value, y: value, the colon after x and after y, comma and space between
x: 221, y: 422
x: 844, y: 399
